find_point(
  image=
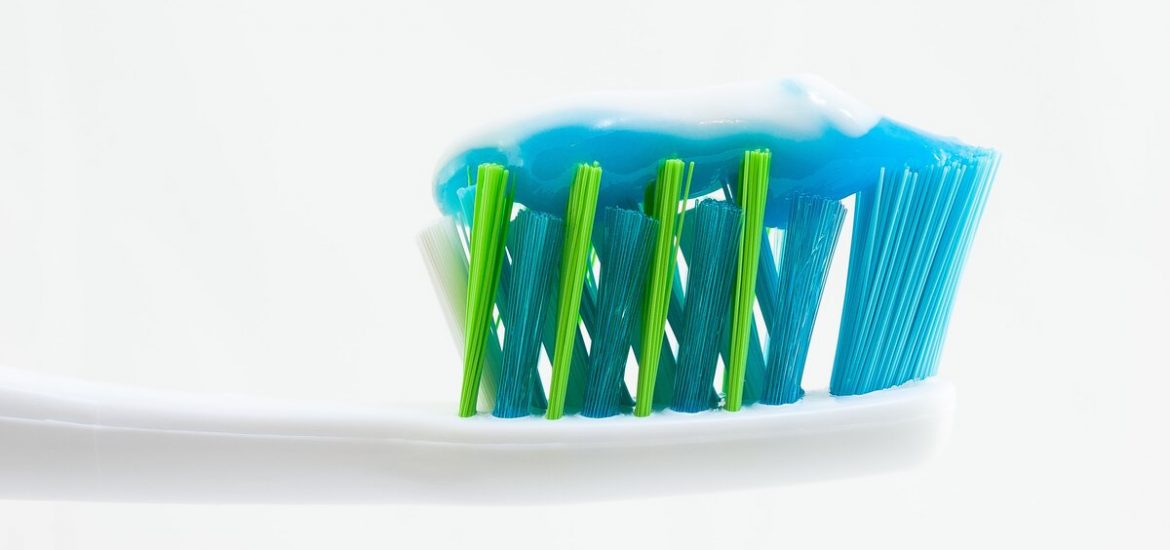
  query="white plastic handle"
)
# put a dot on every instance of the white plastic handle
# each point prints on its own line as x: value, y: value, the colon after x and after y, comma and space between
x: 69, y: 439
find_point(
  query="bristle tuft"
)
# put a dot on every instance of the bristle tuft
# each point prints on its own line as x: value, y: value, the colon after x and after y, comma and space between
x: 752, y: 195
x: 814, y: 224
x: 910, y: 239
x: 534, y: 245
x: 710, y: 277
x: 666, y: 204
x: 489, y: 229
x: 624, y: 251
x: 579, y: 213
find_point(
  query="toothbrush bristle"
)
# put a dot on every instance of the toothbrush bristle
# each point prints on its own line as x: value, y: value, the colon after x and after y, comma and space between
x: 489, y: 229
x: 910, y: 239
x: 579, y: 213
x: 668, y: 207
x: 809, y: 241
x: 709, y: 281
x: 624, y: 250
x: 534, y: 244
x: 753, y: 380
x: 753, y: 192
x: 911, y: 234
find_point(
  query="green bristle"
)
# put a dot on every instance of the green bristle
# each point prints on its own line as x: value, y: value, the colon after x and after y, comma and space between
x: 711, y: 273
x: 489, y: 229
x: 664, y: 378
x: 667, y: 363
x: 579, y: 364
x: 753, y: 380
x: 624, y: 250
x: 767, y: 296
x: 579, y: 213
x: 667, y: 205
x: 753, y: 193
x: 579, y: 367
x: 534, y: 245
x: 494, y: 358
x: 809, y: 240
x: 664, y: 381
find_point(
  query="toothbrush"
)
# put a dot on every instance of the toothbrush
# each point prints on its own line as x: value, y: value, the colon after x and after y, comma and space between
x: 552, y: 236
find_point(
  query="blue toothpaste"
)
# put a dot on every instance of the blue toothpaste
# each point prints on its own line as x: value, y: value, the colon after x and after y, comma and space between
x: 823, y: 142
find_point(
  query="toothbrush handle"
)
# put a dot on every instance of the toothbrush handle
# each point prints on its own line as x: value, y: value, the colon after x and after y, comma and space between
x: 63, y: 439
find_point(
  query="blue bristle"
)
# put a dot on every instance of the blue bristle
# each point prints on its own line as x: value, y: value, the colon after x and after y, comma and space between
x: 675, y: 316
x: 768, y: 287
x: 713, y: 252
x: 664, y: 382
x: 539, y: 401
x: 534, y: 245
x: 624, y: 251
x: 589, y: 321
x: 809, y: 241
x: 910, y: 238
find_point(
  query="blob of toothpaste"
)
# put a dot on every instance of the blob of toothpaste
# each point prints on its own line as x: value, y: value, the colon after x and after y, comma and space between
x: 823, y: 143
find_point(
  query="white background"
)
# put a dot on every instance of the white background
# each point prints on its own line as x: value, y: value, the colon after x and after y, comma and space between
x: 223, y: 196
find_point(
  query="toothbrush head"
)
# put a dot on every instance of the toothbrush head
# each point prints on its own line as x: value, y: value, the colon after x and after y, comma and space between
x: 719, y: 291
